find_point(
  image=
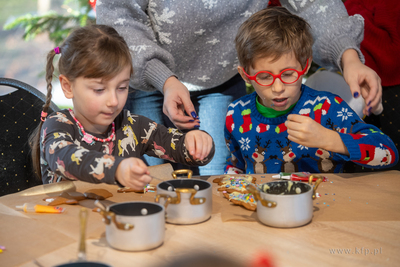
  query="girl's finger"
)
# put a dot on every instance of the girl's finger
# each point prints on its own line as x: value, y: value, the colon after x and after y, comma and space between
x: 206, y: 146
x: 190, y: 144
x: 199, y: 146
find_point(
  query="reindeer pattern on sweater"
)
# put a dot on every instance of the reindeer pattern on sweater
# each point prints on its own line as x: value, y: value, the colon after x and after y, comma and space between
x: 260, y: 145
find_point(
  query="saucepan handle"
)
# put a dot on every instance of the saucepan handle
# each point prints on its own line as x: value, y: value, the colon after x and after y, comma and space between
x: 266, y: 203
x: 168, y: 199
x: 317, y: 182
x: 178, y: 198
x: 109, y: 216
x: 183, y: 171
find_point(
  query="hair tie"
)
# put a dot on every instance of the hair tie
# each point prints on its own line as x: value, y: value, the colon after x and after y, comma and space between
x: 43, y: 116
x: 57, y: 50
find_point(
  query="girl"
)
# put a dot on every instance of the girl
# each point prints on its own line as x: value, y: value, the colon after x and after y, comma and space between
x: 98, y: 141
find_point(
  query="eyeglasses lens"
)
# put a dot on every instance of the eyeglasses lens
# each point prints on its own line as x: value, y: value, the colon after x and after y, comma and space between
x: 289, y: 76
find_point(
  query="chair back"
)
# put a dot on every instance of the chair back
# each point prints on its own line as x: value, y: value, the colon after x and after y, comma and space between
x: 20, y: 112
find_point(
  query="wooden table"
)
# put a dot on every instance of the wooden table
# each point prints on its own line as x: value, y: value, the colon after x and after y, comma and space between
x: 356, y: 223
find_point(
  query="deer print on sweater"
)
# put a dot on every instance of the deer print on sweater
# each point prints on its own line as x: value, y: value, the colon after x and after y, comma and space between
x: 106, y: 161
x: 129, y: 140
x: 77, y: 156
x: 152, y: 127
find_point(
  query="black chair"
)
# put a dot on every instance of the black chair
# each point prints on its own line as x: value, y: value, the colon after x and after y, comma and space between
x: 20, y: 114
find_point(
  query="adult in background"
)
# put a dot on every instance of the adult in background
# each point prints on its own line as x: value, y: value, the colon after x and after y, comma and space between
x: 185, y: 61
x: 381, y: 46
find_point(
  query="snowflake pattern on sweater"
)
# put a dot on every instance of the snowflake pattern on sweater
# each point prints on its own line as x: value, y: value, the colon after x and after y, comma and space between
x: 261, y: 145
x: 65, y: 155
x: 194, y: 40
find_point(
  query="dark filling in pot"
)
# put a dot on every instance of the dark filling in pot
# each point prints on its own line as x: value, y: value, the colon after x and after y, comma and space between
x: 285, y: 188
x: 135, y: 209
x: 83, y: 264
x: 184, y: 183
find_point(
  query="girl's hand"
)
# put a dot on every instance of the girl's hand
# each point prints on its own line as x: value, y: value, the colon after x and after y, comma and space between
x: 199, y: 144
x: 133, y: 173
x: 363, y: 81
x: 307, y: 132
x: 177, y: 102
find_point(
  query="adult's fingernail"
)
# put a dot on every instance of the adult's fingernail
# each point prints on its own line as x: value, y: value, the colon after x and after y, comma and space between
x: 197, y: 126
x: 369, y: 103
x: 191, y: 120
x: 369, y: 111
x: 356, y: 94
x: 194, y: 115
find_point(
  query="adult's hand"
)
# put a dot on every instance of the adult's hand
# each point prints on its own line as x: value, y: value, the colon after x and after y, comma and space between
x: 363, y: 81
x: 177, y: 102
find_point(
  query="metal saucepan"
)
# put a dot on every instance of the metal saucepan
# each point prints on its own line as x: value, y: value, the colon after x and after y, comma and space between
x: 134, y: 226
x: 187, y: 201
x: 285, y: 203
x: 82, y: 262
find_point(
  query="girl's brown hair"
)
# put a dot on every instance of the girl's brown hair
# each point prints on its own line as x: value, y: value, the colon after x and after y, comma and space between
x: 95, y: 51
x: 273, y: 32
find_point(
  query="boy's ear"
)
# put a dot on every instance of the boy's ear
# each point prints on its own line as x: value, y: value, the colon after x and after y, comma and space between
x: 244, y: 77
x: 66, y: 86
x: 309, y: 65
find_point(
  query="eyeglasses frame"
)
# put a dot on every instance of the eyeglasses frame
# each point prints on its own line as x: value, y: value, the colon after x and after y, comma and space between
x: 253, y: 78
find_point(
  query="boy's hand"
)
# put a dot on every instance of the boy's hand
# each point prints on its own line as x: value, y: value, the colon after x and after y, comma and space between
x: 199, y: 144
x: 133, y: 173
x: 307, y: 132
x: 176, y: 102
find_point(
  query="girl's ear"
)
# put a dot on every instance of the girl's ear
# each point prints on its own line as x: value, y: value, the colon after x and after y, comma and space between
x: 66, y: 86
x: 244, y: 77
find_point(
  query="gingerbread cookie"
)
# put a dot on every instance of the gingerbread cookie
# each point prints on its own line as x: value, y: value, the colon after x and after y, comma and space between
x: 232, y: 184
x: 147, y: 188
x: 72, y: 198
x: 245, y: 200
x: 55, y: 201
x: 73, y: 195
x: 98, y: 193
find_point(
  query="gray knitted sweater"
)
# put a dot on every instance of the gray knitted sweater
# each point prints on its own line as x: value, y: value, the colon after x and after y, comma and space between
x: 194, y: 39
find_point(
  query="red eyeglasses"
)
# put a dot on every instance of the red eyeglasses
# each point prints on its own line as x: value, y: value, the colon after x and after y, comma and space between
x: 287, y: 76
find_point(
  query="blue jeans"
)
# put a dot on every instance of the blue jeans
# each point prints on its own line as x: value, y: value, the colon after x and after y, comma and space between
x: 211, y: 106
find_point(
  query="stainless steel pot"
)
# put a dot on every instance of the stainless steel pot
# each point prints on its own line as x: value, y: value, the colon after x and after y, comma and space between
x: 285, y: 203
x: 134, y: 226
x: 84, y: 264
x: 187, y: 201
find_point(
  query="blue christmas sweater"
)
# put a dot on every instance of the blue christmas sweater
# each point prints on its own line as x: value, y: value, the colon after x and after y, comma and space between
x: 260, y: 145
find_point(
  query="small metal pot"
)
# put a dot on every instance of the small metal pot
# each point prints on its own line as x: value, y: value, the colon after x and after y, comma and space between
x: 187, y: 201
x: 81, y: 261
x: 285, y: 203
x: 84, y: 264
x: 134, y: 226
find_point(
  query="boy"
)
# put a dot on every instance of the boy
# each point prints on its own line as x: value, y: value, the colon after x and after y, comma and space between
x: 285, y: 126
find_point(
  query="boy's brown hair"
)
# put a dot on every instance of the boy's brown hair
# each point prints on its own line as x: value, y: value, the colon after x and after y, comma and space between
x: 273, y: 32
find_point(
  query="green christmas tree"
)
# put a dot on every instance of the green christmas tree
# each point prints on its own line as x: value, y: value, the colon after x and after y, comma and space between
x: 57, y: 26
